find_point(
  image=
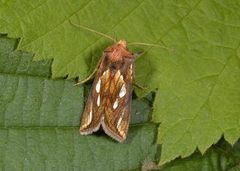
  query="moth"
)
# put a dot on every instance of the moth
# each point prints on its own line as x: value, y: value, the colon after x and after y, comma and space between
x: 109, y: 102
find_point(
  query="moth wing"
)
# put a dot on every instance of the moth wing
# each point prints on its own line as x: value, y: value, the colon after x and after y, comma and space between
x: 91, y: 118
x: 117, y: 128
x: 118, y: 105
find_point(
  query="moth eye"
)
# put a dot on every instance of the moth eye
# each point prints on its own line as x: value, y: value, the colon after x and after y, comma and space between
x: 113, y: 66
x: 122, y: 91
x: 115, y: 105
x: 98, y: 86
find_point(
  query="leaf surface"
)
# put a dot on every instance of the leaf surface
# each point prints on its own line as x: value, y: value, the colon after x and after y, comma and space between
x: 197, y: 81
x: 221, y: 156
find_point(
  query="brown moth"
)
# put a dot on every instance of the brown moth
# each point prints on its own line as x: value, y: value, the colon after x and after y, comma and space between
x: 109, y: 102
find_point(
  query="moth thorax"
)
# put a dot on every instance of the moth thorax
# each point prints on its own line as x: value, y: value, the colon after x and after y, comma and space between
x: 118, y: 51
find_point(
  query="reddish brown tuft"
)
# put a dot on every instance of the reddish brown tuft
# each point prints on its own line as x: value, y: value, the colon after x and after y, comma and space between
x: 118, y: 51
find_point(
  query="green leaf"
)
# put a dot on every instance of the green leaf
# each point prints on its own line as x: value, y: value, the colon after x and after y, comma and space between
x: 29, y: 97
x: 199, y: 86
x: 39, y: 121
x: 221, y: 156
x: 198, y: 81
x: 62, y: 148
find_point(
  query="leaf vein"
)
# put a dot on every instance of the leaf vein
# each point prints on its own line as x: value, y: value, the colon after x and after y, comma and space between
x: 56, y: 26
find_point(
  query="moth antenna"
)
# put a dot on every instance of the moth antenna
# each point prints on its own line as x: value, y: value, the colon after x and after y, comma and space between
x: 94, y: 31
x: 149, y: 44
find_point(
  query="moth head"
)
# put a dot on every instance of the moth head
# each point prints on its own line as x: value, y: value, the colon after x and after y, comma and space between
x: 118, y: 51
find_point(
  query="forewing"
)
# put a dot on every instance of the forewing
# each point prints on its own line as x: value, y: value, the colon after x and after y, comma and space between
x: 91, y: 118
x: 118, y: 97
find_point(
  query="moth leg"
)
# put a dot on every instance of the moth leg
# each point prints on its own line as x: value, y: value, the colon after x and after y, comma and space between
x: 138, y: 54
x: 88, y: 78
x: 91, y: 75
x: 140, y: 86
